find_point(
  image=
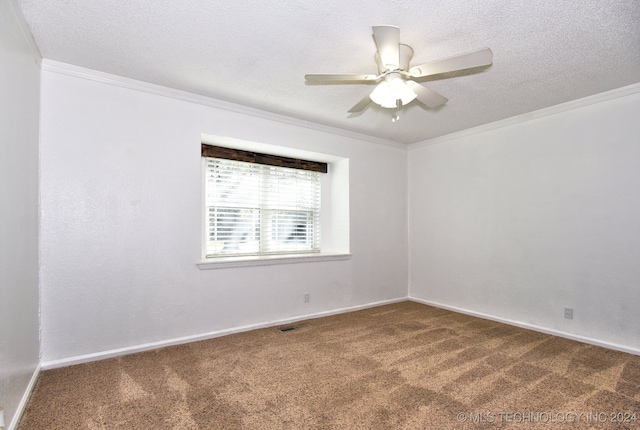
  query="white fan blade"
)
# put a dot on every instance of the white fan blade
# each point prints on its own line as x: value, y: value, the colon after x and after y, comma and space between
x: 406, y: 54
x: 361, y: 105
x: 330, y: 79
x: 381, y: 68
x: 388, y: 42
x: 427, y: 96
x: 482, y: 57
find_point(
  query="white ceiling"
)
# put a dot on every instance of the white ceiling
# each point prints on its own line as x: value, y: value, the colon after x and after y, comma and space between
x: 256, y: 53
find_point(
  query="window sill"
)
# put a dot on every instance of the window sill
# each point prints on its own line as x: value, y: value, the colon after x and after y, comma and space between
x: 225, y: 262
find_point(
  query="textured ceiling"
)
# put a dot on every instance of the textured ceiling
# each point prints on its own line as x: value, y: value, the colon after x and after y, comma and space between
x: 256, y: 53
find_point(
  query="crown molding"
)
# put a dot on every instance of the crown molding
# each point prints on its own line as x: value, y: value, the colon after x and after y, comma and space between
x: 133, y: 84
x: 552, y: 110
x: 26, y: 31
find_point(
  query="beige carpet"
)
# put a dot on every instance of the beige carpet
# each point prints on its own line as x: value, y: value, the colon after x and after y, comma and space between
x: 399, y: 366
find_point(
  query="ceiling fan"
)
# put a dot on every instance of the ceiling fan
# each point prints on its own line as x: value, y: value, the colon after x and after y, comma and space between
x: 397, y: 84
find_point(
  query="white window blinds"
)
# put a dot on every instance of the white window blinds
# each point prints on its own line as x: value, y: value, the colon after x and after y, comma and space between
x: 258, y: 209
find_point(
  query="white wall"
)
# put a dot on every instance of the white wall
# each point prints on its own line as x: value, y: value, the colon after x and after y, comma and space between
x: 19, y: 113
x: 518, y: 222
x: 121, y: 214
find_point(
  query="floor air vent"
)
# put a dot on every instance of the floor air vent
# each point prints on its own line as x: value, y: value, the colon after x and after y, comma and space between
x: 292, y: 327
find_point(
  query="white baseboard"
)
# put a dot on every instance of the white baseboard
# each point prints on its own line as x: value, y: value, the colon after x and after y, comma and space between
x: 52, y: 364
x: 25, y: 399
x: 545, y: 330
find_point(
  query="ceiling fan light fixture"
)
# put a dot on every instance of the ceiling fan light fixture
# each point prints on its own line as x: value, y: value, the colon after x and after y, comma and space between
x: 383, y: 95
x: 402, y: 91
x: 392, y: 89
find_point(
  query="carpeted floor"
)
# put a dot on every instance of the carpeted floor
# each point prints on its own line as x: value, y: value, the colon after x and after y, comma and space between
x: 399, y: 366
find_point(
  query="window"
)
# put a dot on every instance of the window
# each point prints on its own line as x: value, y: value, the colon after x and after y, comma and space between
x: 257, y: 204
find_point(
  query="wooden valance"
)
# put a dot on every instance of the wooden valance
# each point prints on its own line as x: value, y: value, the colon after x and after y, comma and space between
x: 258, y: 158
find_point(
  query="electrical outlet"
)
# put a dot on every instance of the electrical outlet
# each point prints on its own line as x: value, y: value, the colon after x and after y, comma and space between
x: 568, y: 313
x: 307, y: 297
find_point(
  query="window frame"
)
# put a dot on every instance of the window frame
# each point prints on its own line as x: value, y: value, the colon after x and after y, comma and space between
x: 335, y: 207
